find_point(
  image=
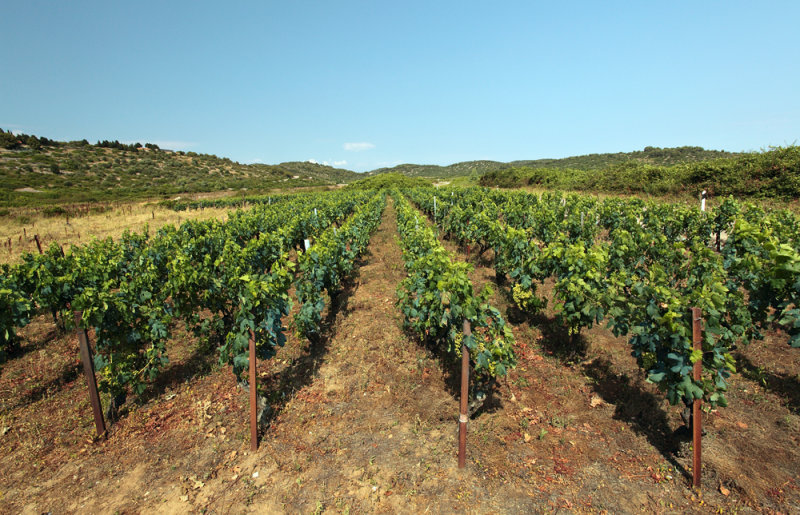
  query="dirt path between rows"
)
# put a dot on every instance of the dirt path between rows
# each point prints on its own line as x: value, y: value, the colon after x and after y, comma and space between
x: 629, y: 431
x: 379, y: 420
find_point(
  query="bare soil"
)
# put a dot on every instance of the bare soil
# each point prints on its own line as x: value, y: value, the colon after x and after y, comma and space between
x: 364, y: 420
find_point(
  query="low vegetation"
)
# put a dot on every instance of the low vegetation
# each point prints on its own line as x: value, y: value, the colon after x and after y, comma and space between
x: 388, y: 181
x: 774, y: 173
x: 649, y: 156
x: 37, y: 170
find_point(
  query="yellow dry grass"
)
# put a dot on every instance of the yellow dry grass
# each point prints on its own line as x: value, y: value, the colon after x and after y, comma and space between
x: 20, y: 226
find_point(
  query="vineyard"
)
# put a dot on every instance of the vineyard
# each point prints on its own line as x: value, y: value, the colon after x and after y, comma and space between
x: 574, y: 315
x: 642, y: 266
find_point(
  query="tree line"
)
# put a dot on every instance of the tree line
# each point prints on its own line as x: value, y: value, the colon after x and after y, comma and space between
x: 12, y: 141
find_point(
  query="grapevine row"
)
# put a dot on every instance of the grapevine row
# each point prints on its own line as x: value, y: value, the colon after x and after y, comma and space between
x: 230, y: 202
x: 639, y: 266
x: 437, y: 296
x: 223, y: 280
x: 331, y: 259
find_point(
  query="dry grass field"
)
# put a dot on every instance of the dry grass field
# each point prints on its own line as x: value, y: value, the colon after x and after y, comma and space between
x: 19, y: 227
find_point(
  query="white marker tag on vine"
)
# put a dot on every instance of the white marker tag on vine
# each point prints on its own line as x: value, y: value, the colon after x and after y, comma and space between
x: 307, y: 244
x: 315, y: 211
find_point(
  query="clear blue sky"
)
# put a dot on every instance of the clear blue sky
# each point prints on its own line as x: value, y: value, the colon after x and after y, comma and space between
x: 372, y: 83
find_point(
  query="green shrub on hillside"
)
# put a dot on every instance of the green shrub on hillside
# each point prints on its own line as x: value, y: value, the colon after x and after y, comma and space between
x: 389, y: 180
x: 775, y: 173
x: 79, y: 172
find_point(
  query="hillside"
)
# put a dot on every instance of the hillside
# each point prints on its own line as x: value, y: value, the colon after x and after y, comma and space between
x: 650, y: 156
x: 774, y: 173
x: 39, y: 170
x: 440, y: 172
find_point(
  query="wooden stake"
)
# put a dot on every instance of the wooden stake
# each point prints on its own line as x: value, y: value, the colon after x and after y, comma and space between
x: 38, y: 243
x: 253, y: 395
x: 88, y: 370
x: 463, y: 417
x: 697, y: 421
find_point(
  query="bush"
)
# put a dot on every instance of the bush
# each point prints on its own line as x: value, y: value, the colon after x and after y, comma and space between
x: 775, y: 173
x: 389, y: 180
x: 511, y: 178
x: 54, y: 211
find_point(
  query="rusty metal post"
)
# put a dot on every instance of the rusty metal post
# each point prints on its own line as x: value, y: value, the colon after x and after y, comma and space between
x: 253, y: 395
x: 697, y: 420
x: 88, y: 370
x: 38, y: 243
x: 463, y: 417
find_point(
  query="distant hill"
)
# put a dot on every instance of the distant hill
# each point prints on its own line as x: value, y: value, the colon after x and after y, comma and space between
x: 387, y: 181
x: 442, y: 172
x: 40, y: 170
x: 650, y: 155
x: 318, y: 172
x: 771, y: 173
